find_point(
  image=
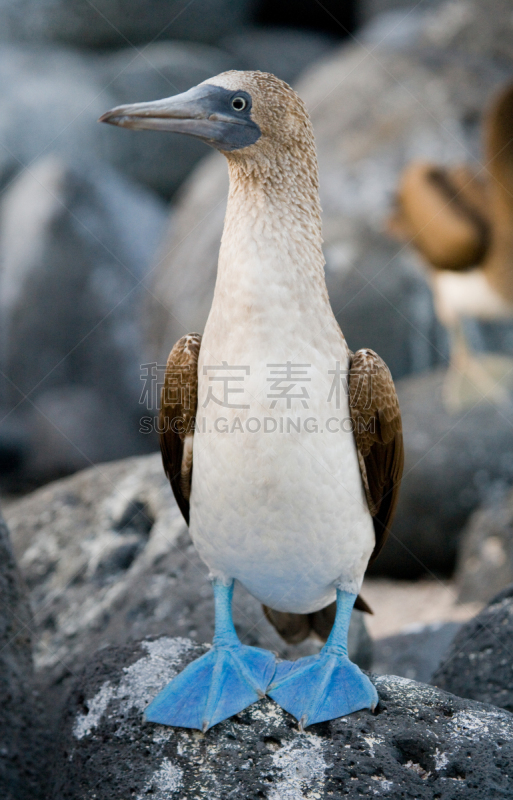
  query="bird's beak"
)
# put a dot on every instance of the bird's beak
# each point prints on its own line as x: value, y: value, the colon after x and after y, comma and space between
x: 203, y: 112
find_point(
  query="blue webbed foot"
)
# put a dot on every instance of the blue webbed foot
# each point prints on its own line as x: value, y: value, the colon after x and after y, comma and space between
x: 216, y: 686
x: 319, y: 688
x: 224, y: 681
x: 326, y: 686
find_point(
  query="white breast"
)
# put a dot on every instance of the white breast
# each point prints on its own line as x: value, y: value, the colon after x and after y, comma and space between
x: 277, y: 499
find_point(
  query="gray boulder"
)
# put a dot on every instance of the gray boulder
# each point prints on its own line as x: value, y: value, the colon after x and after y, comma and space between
x: 414, y: 654
x: 453, y: 464
x: 283, y: 51
x: 75, y: 249
x: 464, y: 27
x: 422, y: 744
x: 392, y: 9
x: 109, y: 560
x: 158, y: 160
x: 371, y: 115
x: 478, y: 663
x: 51, y: 98
x: 472, y: 27
x: 20, y: 753
x: 108, y: 23
x: 485, y: 553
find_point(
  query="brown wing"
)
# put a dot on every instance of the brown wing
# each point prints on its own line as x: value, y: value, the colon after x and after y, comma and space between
x: 178, y: 405
x: 379, y: 440
x: 444, y: 213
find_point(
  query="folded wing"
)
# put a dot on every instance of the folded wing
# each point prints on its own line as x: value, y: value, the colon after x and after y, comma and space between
x: 378, y: 434
x: 178, y: 406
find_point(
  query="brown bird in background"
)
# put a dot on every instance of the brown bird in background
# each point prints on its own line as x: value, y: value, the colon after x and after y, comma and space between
x: 461, y: 223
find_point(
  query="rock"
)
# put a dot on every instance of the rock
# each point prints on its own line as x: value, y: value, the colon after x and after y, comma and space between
x: 75, y: 247
x: 423, y: 743
x: 19, y: 752
x: 414, y: 653
x: 485, y: 553
x: 385, y: 9
x: 283, y: 51
x: 464, y: 27
x: 51, y: 98
x: 478, y: 663
x: 159, y: 160
x: 368, y: 123
x: 397, y: 27
x: 108, y: 559
x: 453, y: 463
x: 472, y: 27
x: 112, y: 24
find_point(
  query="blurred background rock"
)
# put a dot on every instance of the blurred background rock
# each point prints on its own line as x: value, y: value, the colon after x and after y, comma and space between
x: 108, y: 252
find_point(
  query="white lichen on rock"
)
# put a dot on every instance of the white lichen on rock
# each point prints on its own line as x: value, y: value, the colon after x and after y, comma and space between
x: 301, y: 769
x: 140, y: 683
x: 85, y: 723
x: 165, y: 781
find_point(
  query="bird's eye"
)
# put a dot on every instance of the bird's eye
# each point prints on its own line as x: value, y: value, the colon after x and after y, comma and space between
x: 239, y: 103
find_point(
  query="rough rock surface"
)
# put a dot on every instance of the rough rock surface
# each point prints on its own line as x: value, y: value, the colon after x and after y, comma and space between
x: 108, y: 559
x: 423, y: 743
x: 478, y: 663
x: 485, y: 553
x: 75, y: 246
x: 415, y: 653
x: 159, y: 160
x: 108, y: 23
x: 18, y: 746
x: 453, y: 464
x: 372, y: 110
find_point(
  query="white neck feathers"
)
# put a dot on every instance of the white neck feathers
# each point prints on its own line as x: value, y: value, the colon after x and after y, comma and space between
x: 271, y: 256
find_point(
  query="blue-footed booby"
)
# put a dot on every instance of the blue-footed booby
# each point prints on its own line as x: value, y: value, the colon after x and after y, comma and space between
x: 460, y: 220
x: 284, y: 449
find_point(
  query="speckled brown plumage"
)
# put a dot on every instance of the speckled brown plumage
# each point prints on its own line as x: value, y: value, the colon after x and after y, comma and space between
x: 178, y: 406
x: 379, y: 439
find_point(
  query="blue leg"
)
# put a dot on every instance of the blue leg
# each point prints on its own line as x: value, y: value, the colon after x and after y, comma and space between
x: 326, y: 686
x: 220, y: 683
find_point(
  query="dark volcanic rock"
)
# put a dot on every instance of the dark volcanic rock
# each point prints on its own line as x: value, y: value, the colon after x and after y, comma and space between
x: 485, y: 554
x: 422, y: 744
x: 108, y: 559
x: 414, y: 654
x: 75, y: 247
x: 18, y: 708
x: 453, y: 464
x: 478, y: 663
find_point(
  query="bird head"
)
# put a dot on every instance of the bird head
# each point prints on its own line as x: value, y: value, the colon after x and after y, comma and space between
x: 251, y: 116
